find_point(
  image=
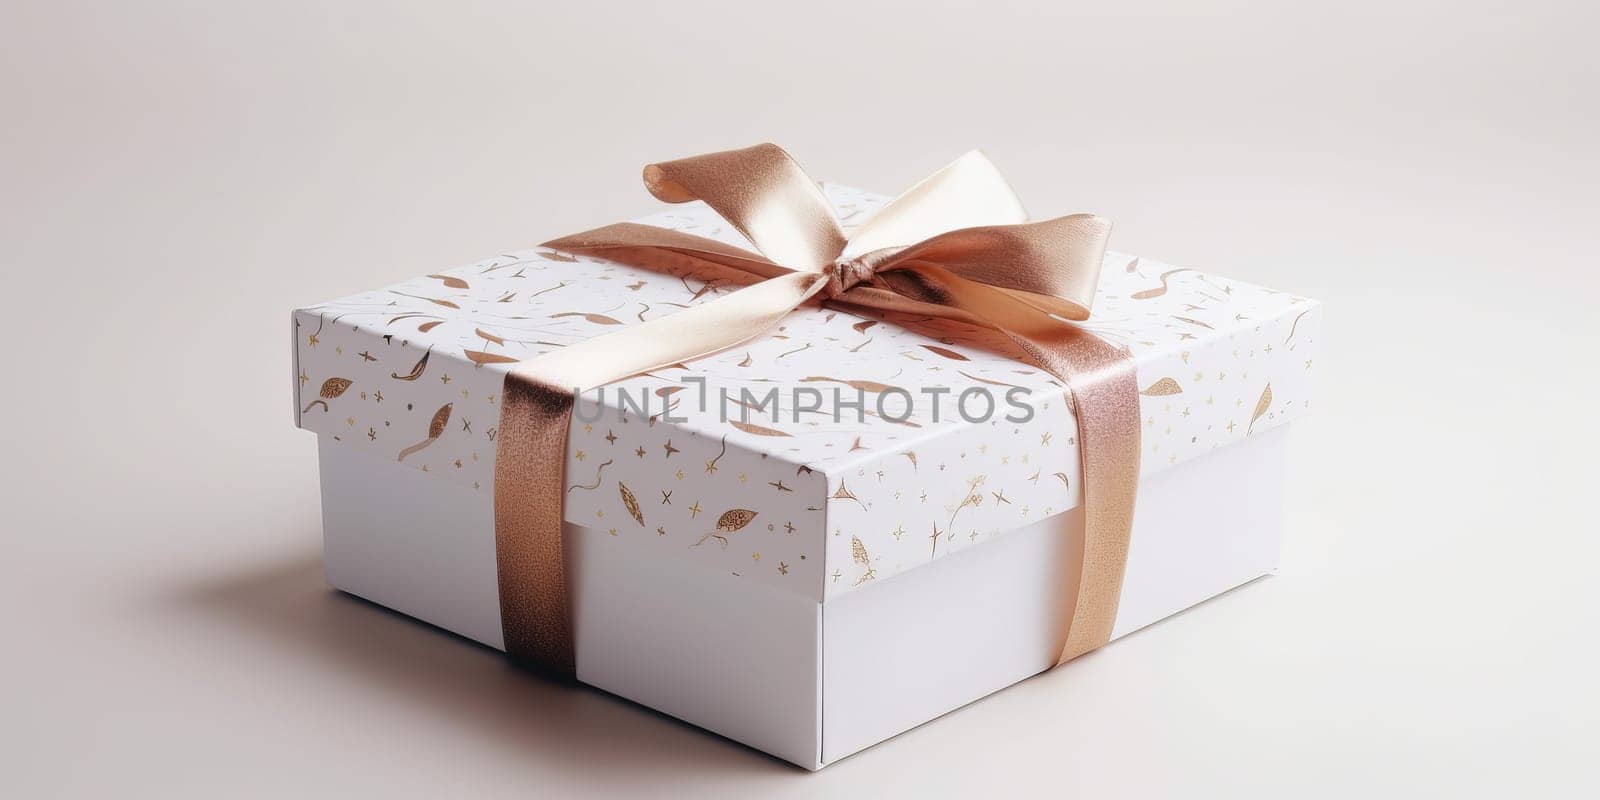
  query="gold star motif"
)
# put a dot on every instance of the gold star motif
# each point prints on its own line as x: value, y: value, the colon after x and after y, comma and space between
x: 580, y: 455
x: 445, y: 378
x: 678, y: 474
x: 899, y: 530
x: 611, y: 438
x: 372, y: 434
x: 755, y: 556
x: 789, y: 527
x: 661, y: 531
x: 694, y: 510
x: 783, y: 568
x: 666, y: 497
x: 304, y: 378
x: 1045, y: 439
x: 378, y: 395
x: 639, y: 452
x: 669, y: 448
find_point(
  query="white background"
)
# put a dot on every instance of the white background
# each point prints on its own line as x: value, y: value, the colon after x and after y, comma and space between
x: 175, y: 177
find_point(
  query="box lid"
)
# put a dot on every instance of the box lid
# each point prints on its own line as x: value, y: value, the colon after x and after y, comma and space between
x: 796, y: 497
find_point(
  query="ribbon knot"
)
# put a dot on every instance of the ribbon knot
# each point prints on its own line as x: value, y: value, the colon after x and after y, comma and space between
x: 845, y: 273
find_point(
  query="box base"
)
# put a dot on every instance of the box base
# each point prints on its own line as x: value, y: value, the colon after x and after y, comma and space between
x: 806, y: 682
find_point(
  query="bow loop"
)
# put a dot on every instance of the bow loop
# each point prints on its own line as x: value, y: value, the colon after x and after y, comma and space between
x: 764, y: 195
x: 1053, y: 265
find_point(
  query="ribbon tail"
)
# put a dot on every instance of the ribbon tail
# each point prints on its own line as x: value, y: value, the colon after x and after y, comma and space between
x: 1103, y: 386
x: 1105, y: 400
x: 536, y: 408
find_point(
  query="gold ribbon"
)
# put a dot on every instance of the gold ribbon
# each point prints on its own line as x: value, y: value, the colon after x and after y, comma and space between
x: 956, y: 246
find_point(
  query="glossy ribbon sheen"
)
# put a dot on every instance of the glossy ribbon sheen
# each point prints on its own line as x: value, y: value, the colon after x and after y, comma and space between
x: 955, y: 246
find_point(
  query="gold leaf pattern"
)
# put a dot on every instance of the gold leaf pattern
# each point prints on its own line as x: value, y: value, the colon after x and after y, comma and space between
x: 731, y: 521
x: 598, y: 319
x: 451, y: 281
x: 734, y: 519
x: 1164, y: 386
x: 946, y: 352
x: 416, y: 371
x: 1261, y: 407
x: 440, y: 419
x: 488, y: 337
x: 986, y: 380
x: 1149, y: 294
x: 479, y: 357
x: 433, y: 300
x: 435, y: 430
x: 845, y: 494
x: 428, y: 326
x: 333, y: 387
x: 858, y: 554
x: 600, y: 471
x: 630, y: 502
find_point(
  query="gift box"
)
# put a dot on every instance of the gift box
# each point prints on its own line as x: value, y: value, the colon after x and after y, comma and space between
x: 819, y: 538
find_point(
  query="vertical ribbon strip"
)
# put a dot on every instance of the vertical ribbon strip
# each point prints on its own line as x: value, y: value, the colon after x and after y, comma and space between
x: 955, y: 246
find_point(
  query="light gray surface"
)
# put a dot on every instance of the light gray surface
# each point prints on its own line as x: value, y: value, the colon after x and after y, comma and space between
x: 175, y: 177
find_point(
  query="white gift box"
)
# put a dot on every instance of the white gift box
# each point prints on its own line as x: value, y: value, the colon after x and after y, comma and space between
x: 803, y: 544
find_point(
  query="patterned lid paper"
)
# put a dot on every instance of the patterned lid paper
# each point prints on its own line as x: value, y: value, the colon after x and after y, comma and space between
x: 802, y: 498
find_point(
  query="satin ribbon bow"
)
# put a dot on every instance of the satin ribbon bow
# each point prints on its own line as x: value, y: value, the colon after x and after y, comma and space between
x: 957, y: 245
